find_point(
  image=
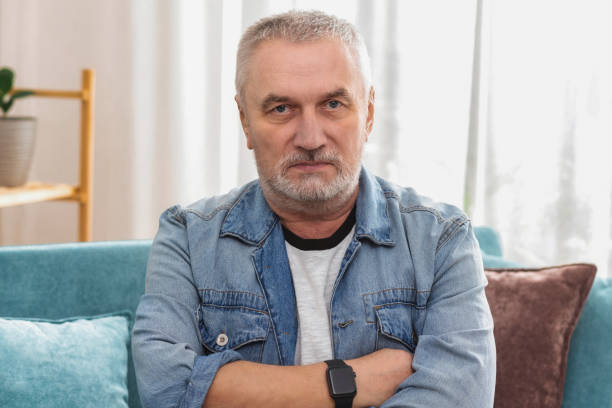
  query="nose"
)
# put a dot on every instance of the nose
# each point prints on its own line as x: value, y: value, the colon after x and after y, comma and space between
x: 309, y: 133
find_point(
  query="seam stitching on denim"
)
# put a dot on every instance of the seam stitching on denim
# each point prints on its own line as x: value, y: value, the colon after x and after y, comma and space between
x: 229, y: 291
x: 235, y: 307
x: 450, y: 231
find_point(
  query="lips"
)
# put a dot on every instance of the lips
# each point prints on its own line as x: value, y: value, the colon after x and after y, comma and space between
x: 310, y: 165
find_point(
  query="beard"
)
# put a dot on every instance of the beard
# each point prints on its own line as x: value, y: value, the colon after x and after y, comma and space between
x: 312, y: 189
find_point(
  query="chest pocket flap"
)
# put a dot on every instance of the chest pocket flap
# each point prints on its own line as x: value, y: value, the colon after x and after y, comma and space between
x: 233, y: 320
x: 392, y: 312
x: 395, y: 323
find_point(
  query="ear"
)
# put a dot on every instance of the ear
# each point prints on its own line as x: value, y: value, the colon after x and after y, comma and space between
x: 370, y: 117
x: 244, y: 122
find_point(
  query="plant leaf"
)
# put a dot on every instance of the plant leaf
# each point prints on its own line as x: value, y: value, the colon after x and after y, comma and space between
x: 6, y: 106
x: 6, y: 79
x: 16, y: 95
x: 21, y: 94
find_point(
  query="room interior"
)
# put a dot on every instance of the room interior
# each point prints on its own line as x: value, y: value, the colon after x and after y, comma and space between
x: 503, y: 109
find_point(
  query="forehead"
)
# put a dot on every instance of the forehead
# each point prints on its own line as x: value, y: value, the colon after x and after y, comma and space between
x: 301, y: 70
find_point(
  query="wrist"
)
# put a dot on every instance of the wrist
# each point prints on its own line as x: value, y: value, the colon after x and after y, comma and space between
x: 361, y: 398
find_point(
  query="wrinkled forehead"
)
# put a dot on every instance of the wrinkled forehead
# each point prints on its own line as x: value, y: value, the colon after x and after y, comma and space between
x: 302, y: 70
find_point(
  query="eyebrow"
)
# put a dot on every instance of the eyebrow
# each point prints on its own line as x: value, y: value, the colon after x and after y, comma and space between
x: 339, y: 93
x: 274, y: 99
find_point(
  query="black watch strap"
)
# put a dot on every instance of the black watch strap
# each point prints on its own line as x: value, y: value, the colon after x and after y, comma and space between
x: 341, y: 402
x: 336, y: 363
x: 346, y: 402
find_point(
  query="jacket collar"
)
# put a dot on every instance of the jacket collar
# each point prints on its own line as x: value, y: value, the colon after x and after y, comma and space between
x: 251, y: 219
x: 372, y: 213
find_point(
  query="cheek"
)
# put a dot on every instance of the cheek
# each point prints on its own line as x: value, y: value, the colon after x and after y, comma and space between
x: 350, y: 138
x: 272, y: 140
x: 268, y: 148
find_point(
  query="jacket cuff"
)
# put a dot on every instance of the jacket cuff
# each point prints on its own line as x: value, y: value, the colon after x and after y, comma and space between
x: 202, y: 375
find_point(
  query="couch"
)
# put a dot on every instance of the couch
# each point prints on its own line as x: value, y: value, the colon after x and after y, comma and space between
x: 87, y: 279
x: 78, y: 279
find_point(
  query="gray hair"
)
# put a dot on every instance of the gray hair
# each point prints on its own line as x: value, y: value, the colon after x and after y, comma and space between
x: 300, y: 26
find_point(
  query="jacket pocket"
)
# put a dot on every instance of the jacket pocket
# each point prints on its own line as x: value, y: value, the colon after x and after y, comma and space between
x: 392, y: 311
x: 394, y: 327
x: 227, y: 325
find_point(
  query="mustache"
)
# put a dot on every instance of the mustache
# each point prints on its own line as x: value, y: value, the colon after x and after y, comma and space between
x: 302, y: 156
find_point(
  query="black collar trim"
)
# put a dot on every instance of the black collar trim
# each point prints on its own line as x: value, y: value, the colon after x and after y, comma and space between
x: 322, y: 243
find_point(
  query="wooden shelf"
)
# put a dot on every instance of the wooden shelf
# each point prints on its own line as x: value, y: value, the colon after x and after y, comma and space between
x: 35, y: 192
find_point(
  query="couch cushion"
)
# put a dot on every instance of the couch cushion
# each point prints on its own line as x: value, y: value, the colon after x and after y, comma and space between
x: 490, y: 247
x: 77, y: 279
x: 535, y: 312
x: 590, y: 360
x: 79, y: 362
x: 489, y: 240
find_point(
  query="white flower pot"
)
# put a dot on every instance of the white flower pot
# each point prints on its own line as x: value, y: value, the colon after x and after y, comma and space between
x: 17, y: 137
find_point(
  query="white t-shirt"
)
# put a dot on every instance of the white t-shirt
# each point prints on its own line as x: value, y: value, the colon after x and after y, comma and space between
x: 314, y: 273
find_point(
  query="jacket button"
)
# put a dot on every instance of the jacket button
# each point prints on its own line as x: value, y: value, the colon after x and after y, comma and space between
x: 222, y: 340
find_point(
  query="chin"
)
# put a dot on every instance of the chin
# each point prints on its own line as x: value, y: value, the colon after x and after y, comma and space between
x: 315, y: 189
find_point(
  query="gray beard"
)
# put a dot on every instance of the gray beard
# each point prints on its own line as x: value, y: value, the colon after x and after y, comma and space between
x: 311, y: 190
x: 309, y: 194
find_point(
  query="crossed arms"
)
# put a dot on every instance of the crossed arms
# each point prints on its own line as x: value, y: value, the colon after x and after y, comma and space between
x: 453, y: 364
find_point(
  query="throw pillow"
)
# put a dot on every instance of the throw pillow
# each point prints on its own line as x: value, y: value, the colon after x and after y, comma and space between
x: 77, y: 362
x: 535, y: 312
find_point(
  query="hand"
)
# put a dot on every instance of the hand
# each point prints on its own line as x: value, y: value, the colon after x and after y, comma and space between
x: 379, y: 374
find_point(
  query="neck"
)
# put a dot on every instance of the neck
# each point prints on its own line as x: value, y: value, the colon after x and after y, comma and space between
x: 312, y: 221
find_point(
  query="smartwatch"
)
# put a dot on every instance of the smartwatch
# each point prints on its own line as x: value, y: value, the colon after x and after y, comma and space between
x: 341, y: 382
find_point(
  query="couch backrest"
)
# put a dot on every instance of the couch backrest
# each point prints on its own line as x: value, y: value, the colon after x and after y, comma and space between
x: 78, y: 279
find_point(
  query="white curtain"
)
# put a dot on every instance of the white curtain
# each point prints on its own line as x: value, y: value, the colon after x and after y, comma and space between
x: 167, y: 129
x: 541, y: 132
x: 507, y: 114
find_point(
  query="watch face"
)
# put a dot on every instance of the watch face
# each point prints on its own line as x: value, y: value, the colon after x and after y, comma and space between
x: 342, y: 381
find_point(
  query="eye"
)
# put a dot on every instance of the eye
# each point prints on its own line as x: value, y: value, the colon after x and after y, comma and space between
x: 280, y: 109
x: 333, y: 104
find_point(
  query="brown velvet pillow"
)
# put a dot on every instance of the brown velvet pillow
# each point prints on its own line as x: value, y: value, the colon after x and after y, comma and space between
x: 535, y: 312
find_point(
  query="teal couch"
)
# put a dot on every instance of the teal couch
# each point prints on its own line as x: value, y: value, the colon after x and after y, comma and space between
x: 83, y: 279
x: 80, y: 279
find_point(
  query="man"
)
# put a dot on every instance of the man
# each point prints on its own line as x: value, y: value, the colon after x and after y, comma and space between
x: 318, y: 285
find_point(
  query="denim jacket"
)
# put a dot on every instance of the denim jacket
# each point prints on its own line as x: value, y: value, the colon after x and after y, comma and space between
x: 219, y: 289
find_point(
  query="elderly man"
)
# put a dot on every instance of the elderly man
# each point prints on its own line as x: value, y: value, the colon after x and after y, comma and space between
x: 319, y: 284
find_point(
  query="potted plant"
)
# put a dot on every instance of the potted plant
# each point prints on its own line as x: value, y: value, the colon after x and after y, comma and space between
x: 17, y: 135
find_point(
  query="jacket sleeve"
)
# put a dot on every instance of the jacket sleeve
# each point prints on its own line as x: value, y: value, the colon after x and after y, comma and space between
x: 170, y: 365
x: 455, y: 359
